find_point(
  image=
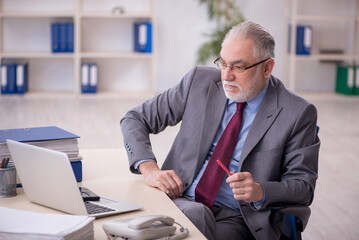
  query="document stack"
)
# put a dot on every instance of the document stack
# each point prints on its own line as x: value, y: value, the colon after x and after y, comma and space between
x: 47, y: 137
x: 21, y: 225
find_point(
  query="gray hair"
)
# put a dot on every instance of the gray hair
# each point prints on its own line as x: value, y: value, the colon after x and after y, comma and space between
x: 263, y: 42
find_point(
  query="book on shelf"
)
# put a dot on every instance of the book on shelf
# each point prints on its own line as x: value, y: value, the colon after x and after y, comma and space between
x: 14, y: 78
x: 21, y: 225
x: 143, y: 37
x: 50, y: 137
x: 62, y: 37
x: 89, y: 77
x: 304, y: 40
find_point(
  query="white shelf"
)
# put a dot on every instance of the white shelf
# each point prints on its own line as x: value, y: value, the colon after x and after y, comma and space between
x: 324, y: 18
x: 124, y: 55
x: 99, y: 36
x: 37, y: 14
x: 323, y: 23
x: 110, y: 15
x: 324, y: 57
x: 37, y: 55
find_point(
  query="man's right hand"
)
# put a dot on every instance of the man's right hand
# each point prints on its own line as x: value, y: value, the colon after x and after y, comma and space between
x: 166, y: 180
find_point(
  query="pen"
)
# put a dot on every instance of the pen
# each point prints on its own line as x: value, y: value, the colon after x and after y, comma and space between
x: 3, y: 163
x: 6, y: 162
x: 224, y: 167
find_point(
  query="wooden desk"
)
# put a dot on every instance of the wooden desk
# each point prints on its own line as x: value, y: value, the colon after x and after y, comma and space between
x: 106, y: 172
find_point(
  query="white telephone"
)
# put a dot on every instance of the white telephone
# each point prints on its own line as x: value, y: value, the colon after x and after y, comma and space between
x: 143, y: 228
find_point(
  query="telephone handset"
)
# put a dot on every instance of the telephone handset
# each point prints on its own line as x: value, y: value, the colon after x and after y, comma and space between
x: 142, y: 228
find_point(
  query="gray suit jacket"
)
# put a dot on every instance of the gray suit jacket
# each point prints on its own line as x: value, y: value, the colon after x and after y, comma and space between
x: 280, y: 151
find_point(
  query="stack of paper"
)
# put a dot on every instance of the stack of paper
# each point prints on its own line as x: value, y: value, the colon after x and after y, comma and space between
x: 52, y: 137
x: 48, y: 137
x: 19, y: 225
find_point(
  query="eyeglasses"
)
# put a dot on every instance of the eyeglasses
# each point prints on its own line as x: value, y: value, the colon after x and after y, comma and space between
x: 222, y: 65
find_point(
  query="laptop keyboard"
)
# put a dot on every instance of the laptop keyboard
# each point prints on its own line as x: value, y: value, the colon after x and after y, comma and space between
x: 93, y: 208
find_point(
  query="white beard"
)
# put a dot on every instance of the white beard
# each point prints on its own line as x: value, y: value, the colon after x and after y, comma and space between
x: 240, y: 96
x: 243, y: 95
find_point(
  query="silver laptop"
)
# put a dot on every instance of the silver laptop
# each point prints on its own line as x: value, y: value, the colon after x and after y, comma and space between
x: 48, y: 179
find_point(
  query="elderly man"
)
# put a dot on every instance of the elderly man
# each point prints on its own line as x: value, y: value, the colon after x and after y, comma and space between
x: 245, y: 117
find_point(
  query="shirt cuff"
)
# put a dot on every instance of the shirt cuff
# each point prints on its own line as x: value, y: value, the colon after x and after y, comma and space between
x: 257, y: 205
x: 141, y: 161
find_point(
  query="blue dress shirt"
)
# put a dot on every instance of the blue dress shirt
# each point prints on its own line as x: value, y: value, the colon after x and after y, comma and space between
x: 225, y: 194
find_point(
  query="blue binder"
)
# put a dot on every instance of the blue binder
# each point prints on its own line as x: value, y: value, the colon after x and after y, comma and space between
x: 89, y: 77
x: 3, y: 79
x: 93, y: 78
x: 143, y: 37
x: 35, y: 134
x: 85, y: 78
x: 304, y: 40
x: 42, y: 134
x: 8, y: 78
x: 21, y: 78
x: 77, y: 168
x: 55, y: 38
x: 62, y: 37
x: 69, y: 37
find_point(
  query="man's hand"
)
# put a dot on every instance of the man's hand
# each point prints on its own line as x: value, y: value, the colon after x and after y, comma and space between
x: 245, y: 188
x: 166, y: 180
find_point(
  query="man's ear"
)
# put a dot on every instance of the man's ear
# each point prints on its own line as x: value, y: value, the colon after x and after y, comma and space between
x: 268, y: 67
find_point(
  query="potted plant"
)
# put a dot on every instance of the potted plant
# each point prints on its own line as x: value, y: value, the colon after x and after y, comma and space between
x: 226, y: 14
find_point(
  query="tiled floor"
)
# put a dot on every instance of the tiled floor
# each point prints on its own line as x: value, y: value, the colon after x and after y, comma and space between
x: 335, y: 212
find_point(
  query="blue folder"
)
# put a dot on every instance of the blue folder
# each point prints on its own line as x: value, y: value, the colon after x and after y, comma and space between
x: 85, y: 78
x: 143, y: 37
x: 35, y: 134
x: 93, y: 81
x: 303, y: 43
x: 42, y: 134
x: 69, y: 37
x: 55, y: 40
x: 304, y: 40
x: 62, y: 37
x: 89, y: 77
x: 8, y: 84
x: 21, y: 78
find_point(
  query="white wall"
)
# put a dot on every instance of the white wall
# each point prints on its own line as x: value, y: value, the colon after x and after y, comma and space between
x: 182, y: 25
x: 181, y: 28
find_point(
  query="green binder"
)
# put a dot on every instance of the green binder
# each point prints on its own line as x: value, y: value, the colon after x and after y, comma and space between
x: 346, y: 78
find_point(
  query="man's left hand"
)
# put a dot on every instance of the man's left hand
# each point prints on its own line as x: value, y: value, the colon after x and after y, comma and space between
x: 245, y: 188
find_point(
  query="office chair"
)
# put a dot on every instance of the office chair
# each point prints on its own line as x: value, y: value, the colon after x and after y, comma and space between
x: 292, y: 228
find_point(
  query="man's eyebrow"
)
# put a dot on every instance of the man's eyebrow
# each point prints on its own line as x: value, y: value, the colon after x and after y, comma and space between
x: 235, y: 61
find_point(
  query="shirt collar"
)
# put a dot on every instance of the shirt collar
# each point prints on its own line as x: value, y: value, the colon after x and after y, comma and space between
x: 254, y: 103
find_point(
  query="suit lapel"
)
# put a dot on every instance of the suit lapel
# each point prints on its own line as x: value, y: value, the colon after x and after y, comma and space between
x: 215, y: 105
x: 267, y: 113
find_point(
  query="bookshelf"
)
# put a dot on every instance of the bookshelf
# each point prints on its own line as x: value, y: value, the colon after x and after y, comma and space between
x: 100, y: 36
x: 329, y: 19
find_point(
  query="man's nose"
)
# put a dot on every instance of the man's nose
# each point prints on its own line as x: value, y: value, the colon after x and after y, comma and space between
x: 227, y: 74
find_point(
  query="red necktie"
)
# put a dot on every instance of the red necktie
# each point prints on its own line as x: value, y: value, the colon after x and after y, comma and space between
x: 211, y: 180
